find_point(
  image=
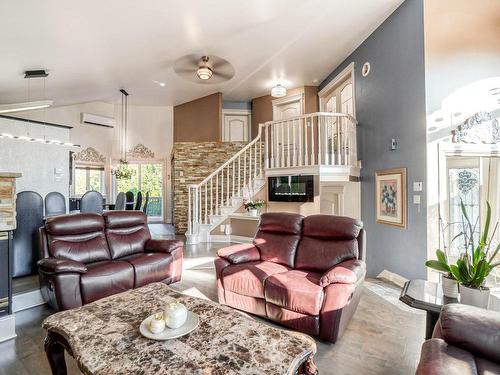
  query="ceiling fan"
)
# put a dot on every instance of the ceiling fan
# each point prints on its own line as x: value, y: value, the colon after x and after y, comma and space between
x: 204, y: 69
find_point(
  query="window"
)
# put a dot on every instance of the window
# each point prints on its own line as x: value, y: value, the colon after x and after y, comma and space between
x: 338, y: 95
x: 146, y: 177
x: 88, y: 178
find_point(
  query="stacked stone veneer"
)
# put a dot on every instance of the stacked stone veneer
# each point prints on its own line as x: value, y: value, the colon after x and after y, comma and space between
x: 192, y: 162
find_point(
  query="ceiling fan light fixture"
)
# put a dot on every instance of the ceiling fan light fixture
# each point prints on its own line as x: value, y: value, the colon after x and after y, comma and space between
x: 278, y: 91
x: 204, y: 73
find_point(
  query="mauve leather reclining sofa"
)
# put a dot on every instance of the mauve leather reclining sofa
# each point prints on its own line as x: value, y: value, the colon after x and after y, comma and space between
x: 85, y: 257
x: 466, y: 341
x: 304, y: 273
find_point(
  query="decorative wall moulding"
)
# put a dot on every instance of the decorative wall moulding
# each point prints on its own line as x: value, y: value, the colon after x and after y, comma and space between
x: 479, y: 128
x: 90, y: 155
x: 140, y: 152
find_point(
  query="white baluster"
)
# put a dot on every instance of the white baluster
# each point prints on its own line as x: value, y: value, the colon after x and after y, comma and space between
x: 332, y: 145
x: 217, y: 194
x: 244, y: 168
x: 306, y: 146
x: 344, y: 132
x: 233, y: 166
x: 199, y: 207
x: 221, y: 190
x: 227, y: 185
x: 211, y: 196
x: 267, y: 163
x: 250, y: 166
x: 288, y: 143
x: 239, y: 175
x: 190, y: 207
x: 273, y: 139
x: 282, y: 161
x: 313, y: 153
x: 206, y: 203
x: 299, y: 158
x: 339, y: 146
x: 320, y: 140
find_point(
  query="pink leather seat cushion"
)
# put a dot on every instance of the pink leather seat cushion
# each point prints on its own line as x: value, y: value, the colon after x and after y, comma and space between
x: 248, y: 278
x: 295, y: 290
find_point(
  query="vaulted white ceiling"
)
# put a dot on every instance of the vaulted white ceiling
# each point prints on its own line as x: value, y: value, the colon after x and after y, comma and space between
x: 93, y: 48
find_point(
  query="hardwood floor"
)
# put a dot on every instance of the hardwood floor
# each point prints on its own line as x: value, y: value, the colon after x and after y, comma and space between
x: 384, y: 337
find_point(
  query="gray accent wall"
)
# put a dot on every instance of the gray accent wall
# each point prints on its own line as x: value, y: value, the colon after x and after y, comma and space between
x: 390, y: 103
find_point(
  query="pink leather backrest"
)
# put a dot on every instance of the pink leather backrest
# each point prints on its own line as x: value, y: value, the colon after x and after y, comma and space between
x: 78, y: 237
x: 278, y: 236
x: 326, y: 241
x: 127, y: 232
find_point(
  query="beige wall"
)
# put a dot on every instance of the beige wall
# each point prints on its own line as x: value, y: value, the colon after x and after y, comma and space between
x: 199, y: 120
x: 262, y: 107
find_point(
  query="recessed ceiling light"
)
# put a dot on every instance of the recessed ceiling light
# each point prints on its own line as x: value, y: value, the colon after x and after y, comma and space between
x: 315, y: 80
x: 162, y: 84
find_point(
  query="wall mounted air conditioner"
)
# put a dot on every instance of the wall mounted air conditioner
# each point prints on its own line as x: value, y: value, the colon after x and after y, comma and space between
x: 89, y: 118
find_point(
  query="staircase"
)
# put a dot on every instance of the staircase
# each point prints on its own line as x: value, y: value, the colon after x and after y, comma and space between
x: 321, y: 143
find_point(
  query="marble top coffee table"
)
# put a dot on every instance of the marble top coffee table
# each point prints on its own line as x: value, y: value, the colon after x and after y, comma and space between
x: 104, y: 338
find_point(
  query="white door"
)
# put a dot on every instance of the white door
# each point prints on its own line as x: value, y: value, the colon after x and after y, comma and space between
x: 235, y: 128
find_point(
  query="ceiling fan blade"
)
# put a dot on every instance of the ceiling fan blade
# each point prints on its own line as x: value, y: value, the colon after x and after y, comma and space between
x: 181, y: 70
x: 225, y: 76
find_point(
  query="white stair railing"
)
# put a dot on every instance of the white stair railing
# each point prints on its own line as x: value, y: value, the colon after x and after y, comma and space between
x: 321, y: 138
x: 233, y: 180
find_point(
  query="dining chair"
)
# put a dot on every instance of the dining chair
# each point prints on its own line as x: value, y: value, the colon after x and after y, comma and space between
x: 91, y: 201
x: 120, y: 201
x: 55, y: 204
x: 129, y: 205
x: 146, y: 202
x: 138, y: 201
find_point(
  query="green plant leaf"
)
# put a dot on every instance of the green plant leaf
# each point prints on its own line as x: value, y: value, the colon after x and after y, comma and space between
x: 456, y: 273
x: 458, y: 235
x: 438, y: 266
x: 486, y: 224
x: 441, y: 256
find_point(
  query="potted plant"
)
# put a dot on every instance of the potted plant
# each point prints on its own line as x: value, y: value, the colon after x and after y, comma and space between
x: 474, y: 266
x: 254, y: 207
x: 448, y: 281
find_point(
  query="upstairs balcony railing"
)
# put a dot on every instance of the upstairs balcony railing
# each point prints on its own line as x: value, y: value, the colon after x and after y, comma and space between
x: 321, y: 138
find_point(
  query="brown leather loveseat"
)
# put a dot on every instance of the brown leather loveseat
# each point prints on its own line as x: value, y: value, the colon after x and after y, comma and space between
x: 304, y: 273
x: 466, y: 341
x: 85, y: 257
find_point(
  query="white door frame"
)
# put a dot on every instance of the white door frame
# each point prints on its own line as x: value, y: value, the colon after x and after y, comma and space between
x: 237, y: 112
x: 323, y: 93
x: 286, y: 100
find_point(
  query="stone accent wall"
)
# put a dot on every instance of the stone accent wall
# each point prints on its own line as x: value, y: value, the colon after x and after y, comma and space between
x: 192, y: 162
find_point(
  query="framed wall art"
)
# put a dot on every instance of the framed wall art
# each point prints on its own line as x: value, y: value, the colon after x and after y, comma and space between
x: 390, y: 197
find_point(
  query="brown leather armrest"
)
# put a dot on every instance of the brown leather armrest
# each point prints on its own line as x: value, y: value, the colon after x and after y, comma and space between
x: 163, y: 246
x: 56, y: 266
x: 348, y: 272
x: 239, y: 253
x: 471, y: 328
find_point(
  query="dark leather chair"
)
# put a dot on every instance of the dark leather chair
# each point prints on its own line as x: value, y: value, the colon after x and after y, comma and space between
x: 146, y: 203
x: 86, y: 257
x: 120, y: 201
x: 466, y: 341
x: 55, y: 204
x: 29, y: 214
x: 138, y: 201
x: 91, y: 202
x: 304, y: 273
x: 129, y: 204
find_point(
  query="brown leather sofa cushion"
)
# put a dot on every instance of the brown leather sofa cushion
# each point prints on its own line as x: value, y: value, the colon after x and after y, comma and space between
x: 127, y: 232
x: 149, y: 267
x: 439, y: 358
x: 77, y: 237
x: 240, y: 253
x: 58, y: 266
x: 278, y: 237
x: 327, y: 240
x: 248, y: 278
x: 105, y: 279
x: 348, y: 272
x: 471, y: 328
x: 295, y: 290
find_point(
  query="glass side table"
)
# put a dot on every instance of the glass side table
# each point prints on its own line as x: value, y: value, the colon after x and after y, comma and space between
x: 427, y: 296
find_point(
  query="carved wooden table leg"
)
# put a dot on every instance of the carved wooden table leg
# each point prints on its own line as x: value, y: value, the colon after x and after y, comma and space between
x: 308, y: 367
x: 54, y: 349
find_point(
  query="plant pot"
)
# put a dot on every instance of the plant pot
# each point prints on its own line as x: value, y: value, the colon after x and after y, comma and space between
x: 253, y: 212
x: 474, y: 297
x: 450, y: 286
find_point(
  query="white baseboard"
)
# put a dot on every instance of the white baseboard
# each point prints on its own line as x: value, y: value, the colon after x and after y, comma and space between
x: 23, y: 301
x: 224, y: 238
x: 392, y: 277
x: 7, y: 327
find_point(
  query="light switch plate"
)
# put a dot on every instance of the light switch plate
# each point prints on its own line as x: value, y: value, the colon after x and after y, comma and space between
x: 416, y: 199
x: 418, y: 186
